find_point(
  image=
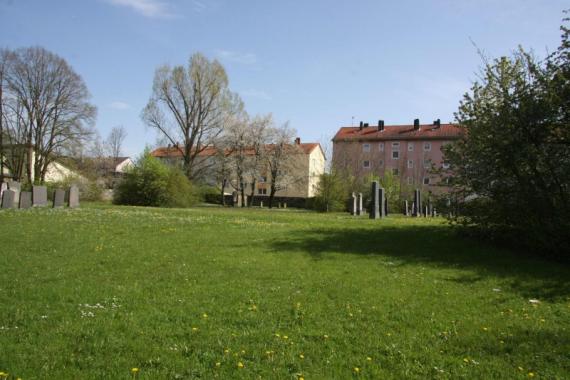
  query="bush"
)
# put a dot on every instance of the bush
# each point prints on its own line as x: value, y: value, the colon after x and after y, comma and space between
x: 88, y: 190
x: 332, y: 193
x: 152, y: 183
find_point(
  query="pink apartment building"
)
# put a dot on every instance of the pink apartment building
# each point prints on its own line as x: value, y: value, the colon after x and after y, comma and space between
x: 410, y: 152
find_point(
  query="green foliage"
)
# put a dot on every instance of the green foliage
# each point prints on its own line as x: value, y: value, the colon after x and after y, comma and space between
x: 152, y: 183
x: 332, y: 193
x: 512, y: 168
x: 89, y: 190
x: 97, y: 291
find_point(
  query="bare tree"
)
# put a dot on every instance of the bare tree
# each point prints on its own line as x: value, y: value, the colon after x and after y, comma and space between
x: 258, y: 133
x: 281, y: 159
x: 115, y: 141
x: 190, y: 106
x: 49, y: 109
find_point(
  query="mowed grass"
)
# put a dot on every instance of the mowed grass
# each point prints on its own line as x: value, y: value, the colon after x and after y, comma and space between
x: 223, y: 293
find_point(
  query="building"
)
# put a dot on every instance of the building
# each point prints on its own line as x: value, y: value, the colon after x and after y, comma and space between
x: 302, y: 173
x: 409, y: 152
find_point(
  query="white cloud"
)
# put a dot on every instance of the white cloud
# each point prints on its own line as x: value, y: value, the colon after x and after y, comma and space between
x: 232, y: 56
x: 147, y: 8
x: 253, y: 93
x: 119, y: 105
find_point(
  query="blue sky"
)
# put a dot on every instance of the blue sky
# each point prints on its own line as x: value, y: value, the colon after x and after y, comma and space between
x: 315, y: 63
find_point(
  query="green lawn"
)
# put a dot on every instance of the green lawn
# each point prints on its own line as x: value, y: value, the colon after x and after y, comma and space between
x: 222, y: 293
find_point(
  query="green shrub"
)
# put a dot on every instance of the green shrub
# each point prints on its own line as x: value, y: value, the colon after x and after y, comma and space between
x: 88, y: 190
x: 332, y: 193
x: 152, y: 183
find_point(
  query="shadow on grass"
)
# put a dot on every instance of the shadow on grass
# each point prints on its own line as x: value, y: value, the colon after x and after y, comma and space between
x: 439, y: 246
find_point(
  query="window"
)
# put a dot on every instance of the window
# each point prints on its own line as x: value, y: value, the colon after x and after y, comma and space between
x: 410, y: 164
x: 366, y: 147
x: 427, y: 146
x: 395, y: 154
x: 366, y: 164
x: 262, y: 191
x: 410, y: 181
x: 262, y: 179
x: 381, y: 147
x: 381, y: 163
x: 427, y: 164
x: 396, y: 145
x: 395, y: 171
x: 426, y: 180
x: 410, y: 147
x: 445, y: 165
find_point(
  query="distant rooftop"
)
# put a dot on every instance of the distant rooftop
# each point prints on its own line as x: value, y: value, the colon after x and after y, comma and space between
x: 400, y: 132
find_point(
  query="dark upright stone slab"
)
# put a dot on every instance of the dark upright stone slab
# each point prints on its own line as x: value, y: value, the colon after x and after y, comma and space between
x: 39, y: 196
x: 374, y: 201
x: 418, y: 203
x: 25, y: 199
x: 385, y: 206
x: 382, y: 201
x: 59, y: 198
x: 73, y: 197
x: 8, y: 198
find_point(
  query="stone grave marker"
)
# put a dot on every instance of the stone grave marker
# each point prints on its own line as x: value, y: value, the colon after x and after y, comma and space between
x: 359, y: 205
x: 385, y: 205
x: 16, y: 187
x: 418, y: 202
x: 261, y: 204
x: 59, y: 198
x: 39, y: 196
x: 8, y: 199
x: 3, y: 187
x: 25, y: 199
x: 374, y: 211
x: 353, y: 204
x: 406, y: 208
x: 73, y: 196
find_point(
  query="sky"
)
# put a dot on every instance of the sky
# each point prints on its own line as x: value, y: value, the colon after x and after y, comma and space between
x: 318, y: 64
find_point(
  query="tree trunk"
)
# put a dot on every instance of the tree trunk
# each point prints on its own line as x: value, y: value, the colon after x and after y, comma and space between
x: 271, y: 195
x: 252, y: 193
x: 224, y: 182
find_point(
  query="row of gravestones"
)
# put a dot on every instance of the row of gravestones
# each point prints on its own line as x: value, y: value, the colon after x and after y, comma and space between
x: 11, y: 196
x: 379, y: 204
x: 238, y: 201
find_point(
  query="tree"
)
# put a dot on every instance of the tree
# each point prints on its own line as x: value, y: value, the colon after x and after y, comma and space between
x: 512, y: 166
x: 332, y: 192
x: 280, y: 158
x: 115, y: 141
x: 191, y: 106
x: 46, y: 109
x: 258, y: 138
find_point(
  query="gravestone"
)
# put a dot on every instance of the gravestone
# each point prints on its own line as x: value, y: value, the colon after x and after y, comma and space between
x: 353, y: 205
x: 73, y: 197
x: 413, y: 208
x: 359, y: 205
x: 3, y: 187
x: 426, y: 213
x: 284, y: 204
x: 429, y: 207
x: 374, y: 201
x: 385, y: 206
x: 382, y: 201
x: 8, y: 199
x: 16, y: 187
x: 39, y: 196
x: 245, y: 200
x: 434, y: 212
x: 261, y: 204
x: 406, y: 208
x: 25, y: 199
x: 418, y: 202
x: 59, y: 198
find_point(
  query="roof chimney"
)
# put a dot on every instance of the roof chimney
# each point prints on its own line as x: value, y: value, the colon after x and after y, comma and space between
x: 298, y: 141
x: 437, y: 123
x: 365, y: 125
x: 416, y: 124
x: 380, y: 125
x: 361, y: 125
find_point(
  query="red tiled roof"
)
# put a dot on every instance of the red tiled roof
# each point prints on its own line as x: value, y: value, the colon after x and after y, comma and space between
x: 307, y: 148
x: 400, y: 132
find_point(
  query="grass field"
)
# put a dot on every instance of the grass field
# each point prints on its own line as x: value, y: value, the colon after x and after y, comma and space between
x: 222, y: 293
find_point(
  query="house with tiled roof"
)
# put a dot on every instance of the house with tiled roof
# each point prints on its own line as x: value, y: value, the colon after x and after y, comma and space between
x: 412, y: 153
x: 309, y: 165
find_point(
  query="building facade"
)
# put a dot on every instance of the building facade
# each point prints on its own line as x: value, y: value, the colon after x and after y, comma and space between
x: 412, y: 153
x: 299, y: 177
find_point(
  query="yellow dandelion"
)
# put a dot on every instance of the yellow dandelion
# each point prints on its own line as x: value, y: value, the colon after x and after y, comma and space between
x: 531, y: 374
x: 227, y: 350
x: 285, y: 337
x: 369, y: 358
x: 300, y: 378
x: 485, y: 329
x: 240, y: 365
x: 542, y: 320
x: 218, y: 364
x: 134, y: 370
x: 521, y: 369
x: 277, y: 335
x: 204, y: 315
x: 325, y: 336
x: 466, y: 360
x: 194, y: 328
x: 502, y: 341
x: 242, y: 352
x: 356, y: 370
x: 302, y: 356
